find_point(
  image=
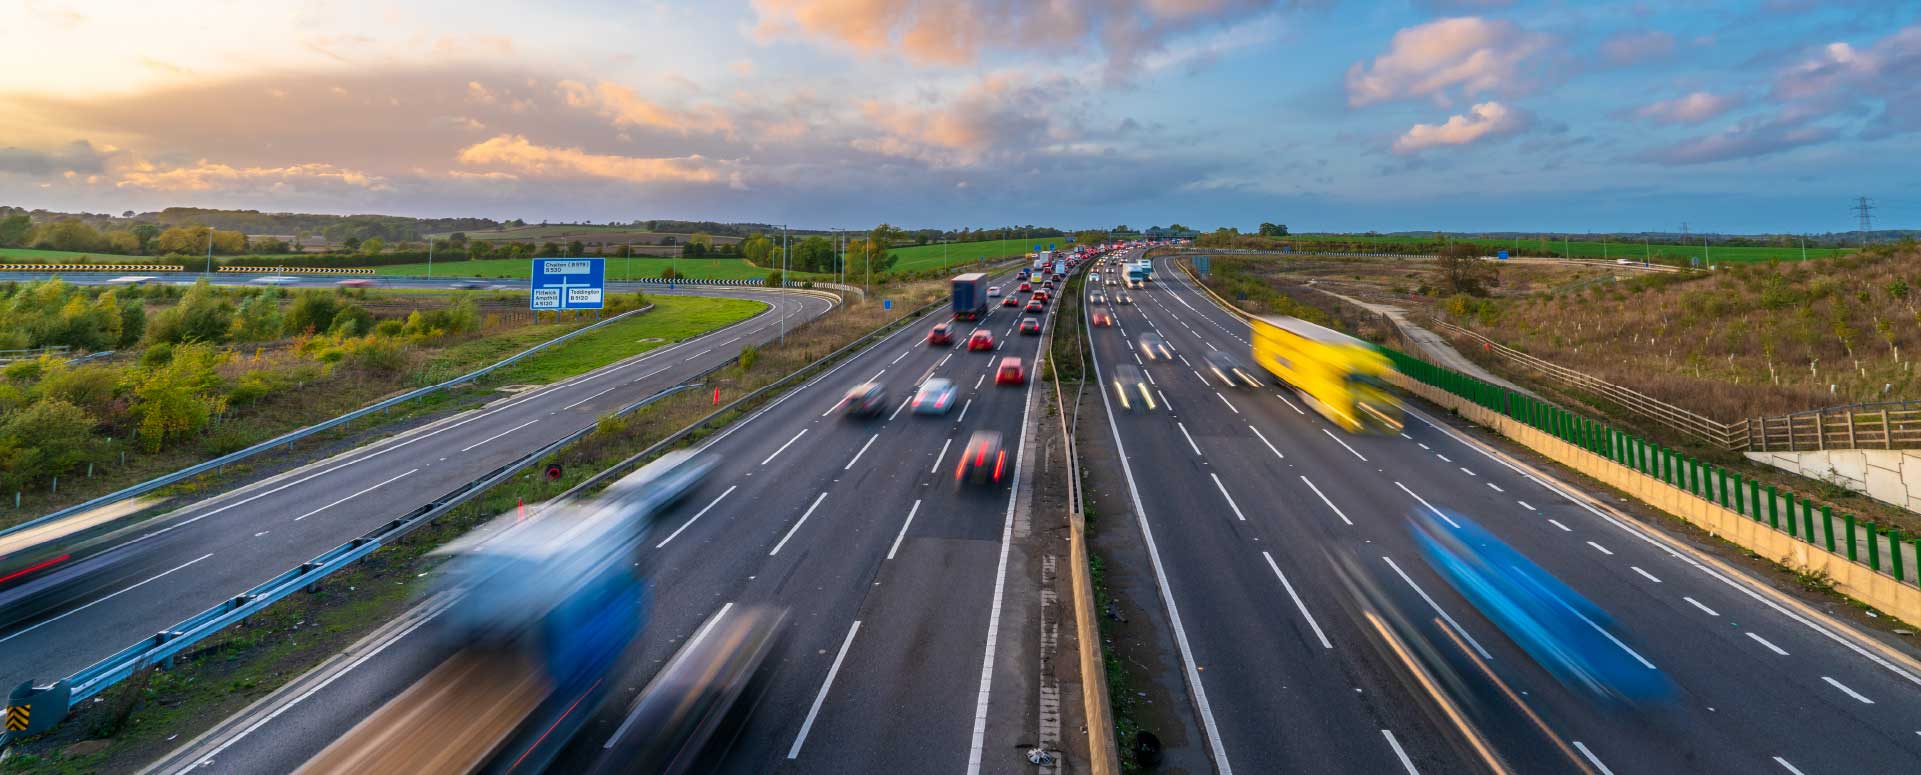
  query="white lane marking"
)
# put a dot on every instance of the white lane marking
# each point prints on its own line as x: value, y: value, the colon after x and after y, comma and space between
x: 1400, y: 754
x: 783, y: 447
x: 903, y: 529
x: 1617, y: 641
x: 1337, y: 440
x: 1776, y: 649
x: 903, y: 405
x: 1270, y: 445
x: 796, y: 528
x: 1230, y: 404
x: 876, y: 377
x: 978, y: 380
x: 1297, y: 600
x: 1524, y: 504
x: 1190, y: 438
x: 813, y: 712
x: 1137, y: 359
x: 1150, y: 378
x: 964, y: 408
x: 589, y: 398
x: 1697, y: 604
x: 1191, y: 671
x: 1164, y: 401
x: 1645, y: 574
x: 1330, y: 504
x: 1592, y: 759
x: 699, y: 636
x: 1405, y: 436
x: 1497, y: 488
x: 500, y: 434
x: 1197, y: 375
x: 1469, y: 473
x: 149, y: 580
x: 1424, y: 446
x: 904, y: 353
x: 1557, y: 523
x: 1230, y: 498
x: 1458, y: 629
x: 1185, y: 361
x: 1789, y: 767
x: 1430, y: 506
x: 703, y: 512
x: 940, y: 457
x: 1739, y: 586
x: 697, y: 355
x: 1443, y: 458
x: 863, y: 451
x: 1600, y: 548
x: 1290, y: 404
x: 943, y: 360
x: 1850, y: 692
x: 355, y: 495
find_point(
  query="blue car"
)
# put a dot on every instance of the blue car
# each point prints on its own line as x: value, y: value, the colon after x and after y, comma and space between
x: 1569, y: 636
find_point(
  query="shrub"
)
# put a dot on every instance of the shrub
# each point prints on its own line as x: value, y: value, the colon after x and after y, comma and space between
x: 352, y: 320
x: 201, y: 316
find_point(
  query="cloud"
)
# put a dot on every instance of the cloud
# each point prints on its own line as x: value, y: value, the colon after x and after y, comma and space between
x: 1693, y: 108
x: 208, y: 176
x: 1752, y: 138
x: 516, y: 153
x: 624, y: 108
x: 1004, y: 114
x: 1633, y: 48
x: 1467, y: 53
x: 1486, y: 121
x: 957, y: 32
x: 79, y: 156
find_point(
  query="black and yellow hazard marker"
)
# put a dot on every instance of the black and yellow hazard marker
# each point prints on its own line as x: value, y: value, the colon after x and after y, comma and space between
x: 18, y: 717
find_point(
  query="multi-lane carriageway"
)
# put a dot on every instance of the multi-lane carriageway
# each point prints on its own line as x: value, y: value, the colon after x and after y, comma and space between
x: 1246, y: 501
x: 912, y: 605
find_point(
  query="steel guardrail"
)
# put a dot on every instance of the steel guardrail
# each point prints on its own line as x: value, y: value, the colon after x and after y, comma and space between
x: 161, y: 647
x: 296, y: 435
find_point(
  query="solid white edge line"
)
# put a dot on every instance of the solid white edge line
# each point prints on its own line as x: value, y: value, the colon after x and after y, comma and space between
x: 355, y: 495
x: 863, y: 451
x: 783, y: 447
x: 1399, y: 753
x: 1209, y: 727
x: 903, y: 529
x: 1324, y: 499
x: 796, y: 528
x: 92, y: 603
x: 1592, y: 759
x: 699, y: 636
x: 813, y: 712
x: 1230, y: 498
x: 1462, y: 631
x: 703, y: 512
x: 1297, y: 601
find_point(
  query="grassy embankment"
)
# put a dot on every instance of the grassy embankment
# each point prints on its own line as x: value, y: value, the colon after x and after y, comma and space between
x: 147, y: 715
x: 617, y: 268
x: 1610, y: 249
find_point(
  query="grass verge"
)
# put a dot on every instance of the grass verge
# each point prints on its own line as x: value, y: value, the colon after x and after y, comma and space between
x: 674, y: 318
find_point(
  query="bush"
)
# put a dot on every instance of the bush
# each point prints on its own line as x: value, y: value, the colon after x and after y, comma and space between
x: 312, y: 312
x: 201, y: 316
x: 376, y: 355
x: 388, y: 328
x: 352, y: 320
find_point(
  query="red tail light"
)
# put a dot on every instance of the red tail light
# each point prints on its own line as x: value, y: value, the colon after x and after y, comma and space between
x: 34, y: 568
x: 1000, y: 462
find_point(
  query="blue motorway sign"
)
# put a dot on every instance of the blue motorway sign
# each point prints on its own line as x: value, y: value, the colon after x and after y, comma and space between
x: 1503, y: 255
x: 568, y: 283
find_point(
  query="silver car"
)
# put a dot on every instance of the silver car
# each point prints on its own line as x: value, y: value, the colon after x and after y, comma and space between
x: 935, y: 396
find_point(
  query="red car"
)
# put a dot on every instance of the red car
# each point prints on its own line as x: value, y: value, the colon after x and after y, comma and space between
x: 1035, y: 307
x: 984, y: 460
x: 1010, y: 301
x: 1011, y: 372
x: 1030, y: 326
x: 943, y: 333
x: 1040, y: 296
x: 1102, y: 319
x: 982, y: 339
x: 1025, y: 287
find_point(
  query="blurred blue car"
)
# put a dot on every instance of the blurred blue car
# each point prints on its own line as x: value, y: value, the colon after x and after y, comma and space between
x: 935, y: 396
x: 1569, y: 636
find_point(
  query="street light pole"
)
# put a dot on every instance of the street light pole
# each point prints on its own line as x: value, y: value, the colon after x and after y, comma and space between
x: 209, y: 250
x: 430, y: 255
x: 783, y: 280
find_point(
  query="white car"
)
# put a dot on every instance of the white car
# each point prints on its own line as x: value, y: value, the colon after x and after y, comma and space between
x: 132, y: 280
x: 274, y: 280
x: 993, y: 291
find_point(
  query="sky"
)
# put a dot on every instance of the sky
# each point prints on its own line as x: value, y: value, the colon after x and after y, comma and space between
x: 1734, y: 116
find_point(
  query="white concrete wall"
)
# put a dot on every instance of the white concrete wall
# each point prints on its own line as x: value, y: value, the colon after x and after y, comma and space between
x: 1887, y: 475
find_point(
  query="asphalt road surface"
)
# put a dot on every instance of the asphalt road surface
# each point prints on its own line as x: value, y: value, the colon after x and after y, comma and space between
x: 912, y: 627
x: 224, y: 545
x: 1250, y: 502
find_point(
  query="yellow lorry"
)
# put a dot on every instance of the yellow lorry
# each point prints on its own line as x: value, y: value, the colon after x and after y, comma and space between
x: 1343, y: 378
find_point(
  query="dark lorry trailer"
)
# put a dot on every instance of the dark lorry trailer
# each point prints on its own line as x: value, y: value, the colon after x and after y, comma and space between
x: 970, y: 296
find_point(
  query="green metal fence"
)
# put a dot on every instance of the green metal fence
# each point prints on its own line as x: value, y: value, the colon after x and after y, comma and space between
x: 1887, y: 550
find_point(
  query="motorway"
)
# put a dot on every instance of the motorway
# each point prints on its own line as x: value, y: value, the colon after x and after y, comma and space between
x: 218, y: 547
x: 1247, y: 503
x: 913, y: 622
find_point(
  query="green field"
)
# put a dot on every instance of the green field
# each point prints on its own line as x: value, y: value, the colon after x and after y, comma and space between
x: 76, y: 257
x: 617, y: 268
x: 937, y: 256
x: 1594, y: 249
x: 673, y: 318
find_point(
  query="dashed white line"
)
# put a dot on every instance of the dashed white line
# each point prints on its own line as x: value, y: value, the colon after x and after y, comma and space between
x: 1524, y: 504
x: 697, y: 515
x: 1592, y: 759
x: 1290, y: 404
x: 1197, y: 375
x: 697, y: 355
x: 1644, y: 574
x: 783, y: 447
x: 1698, y: 604
x: 589, y: 398
x: 1190, y: 438
x: 1270, y: 445
x: 1337, y: 440
x: 1230, y: 405
x: 903, y: 405
x: 1789, y: 767
x: 1297, y: 598
x: 1465, y: 470
x: 863, y: 451
x: 1458, y: 629
x: 1497, y: 488
x: 1424, y: 446
x: 964, y: 407
x: 1184, y: 359
x: 940, y: 457
x: 1557, y: 523
x: 1604, y: 550
x: 1776, y: 649
x: 1845, y: 690
x: 904, y: 354
x: 355, y: 495
x: 1430, y: 506
x: 1442, y: 457
x: 1400, y: 754
x: 794, y: 752
x: 1330, y: 504
x: 796, y: 528
x: 500, y: 434
x: 149, y: 580
x: 903, y: 529
x: 1230, y: 498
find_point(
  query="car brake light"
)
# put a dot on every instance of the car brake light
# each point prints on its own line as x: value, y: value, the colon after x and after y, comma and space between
x: 39, y: 566
x: 1000, y: 462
